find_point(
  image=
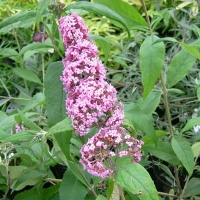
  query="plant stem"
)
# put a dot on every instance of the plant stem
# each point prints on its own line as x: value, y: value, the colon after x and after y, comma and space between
x: 53, y: 180
x: 166, y: 103
x: 146, y: 15
x: 166, y: 194
x: 7, y: 181
x: 121, y: 192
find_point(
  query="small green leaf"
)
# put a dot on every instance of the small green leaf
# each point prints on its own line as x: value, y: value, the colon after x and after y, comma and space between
x: 151, y: 62
x: 100, y: 10
x: 135, y: 179
x: 64, y: 125
x: 21, y: 136
x: 42, y: 6
x: 198, y: 93
x: 191, y: 49
x: 140, y: 120
x: 101, y: 197
x: 4, y: 134
x: 77, y: 170
x: 163, y: 151
x: 192, y: 188
x: 71, y: 188
x: 152, y: 101
x: 55, y: 96
x: 28, y: 123
x: 110, y: 187
x: 6, y: 122
x: 166, y: 39
x: 63, y: 140
x: 196, y: 149
x: 191, y: 123
x: 38, y: 99
x: 38, y: 193
x: 3, y: 101
x: 180, y: 65
x: 35, y: 46
x: 184, y: 152
x: 30, y: 178
x: 27, y: 75
x: 174, y: 90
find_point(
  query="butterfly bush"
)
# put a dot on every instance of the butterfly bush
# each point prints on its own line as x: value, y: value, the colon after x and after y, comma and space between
x: 92, y: 102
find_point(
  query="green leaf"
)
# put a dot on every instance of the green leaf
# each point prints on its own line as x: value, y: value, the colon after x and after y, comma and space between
x: 3, y: 101
x: 42, y: 6
x: 64, y: 125
x: 196, y: 149
x: 71, y: 188
x: 55, y: 96
x: 4, y: 134
x: 35, y: 46
x: 192, y: 188
x: 110, y: 187
x: 101, y: 197
x: 21, y: 136
x: 37, y: 193
x: 127, y: 11
x: 38, y: 99
x: 77, y: 170
x: 100, y: 10
x: 166, y: 39
x: 180, y: 65
x: 6, y: 122
x: 191, y: 49
x: 174, y: 90
x: 151, y: 62
x: 140, y: 120
x: 135, y: 179
x: 198, y: 93
x: 163, y: 151
x: 150, y: 104
x: 27, y: 75
x: 18, y: 17
x: 63, y: 140
x: 30, y: 178
x: 184, y: 152
x: 191, y: 123
x: 28, y: 123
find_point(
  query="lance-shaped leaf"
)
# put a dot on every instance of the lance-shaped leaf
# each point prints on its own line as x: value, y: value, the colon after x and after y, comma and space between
x: 191, y: 123
x: 184, y: 152
x: 42, y: 6
x: 162, y: 151
x: 100, y: 10
x: 55, y: 96
x: 127, y: 11
x: 181, y: 63
x: 27, y: 75
x: 151, y: 62
x: 140, y: 120
x: 135, y: 179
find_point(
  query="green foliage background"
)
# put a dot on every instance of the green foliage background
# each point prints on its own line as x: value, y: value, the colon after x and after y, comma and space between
x: 151, y: 52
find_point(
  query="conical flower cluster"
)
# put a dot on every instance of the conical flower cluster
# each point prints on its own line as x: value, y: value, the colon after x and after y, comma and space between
x: 92, y: 102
